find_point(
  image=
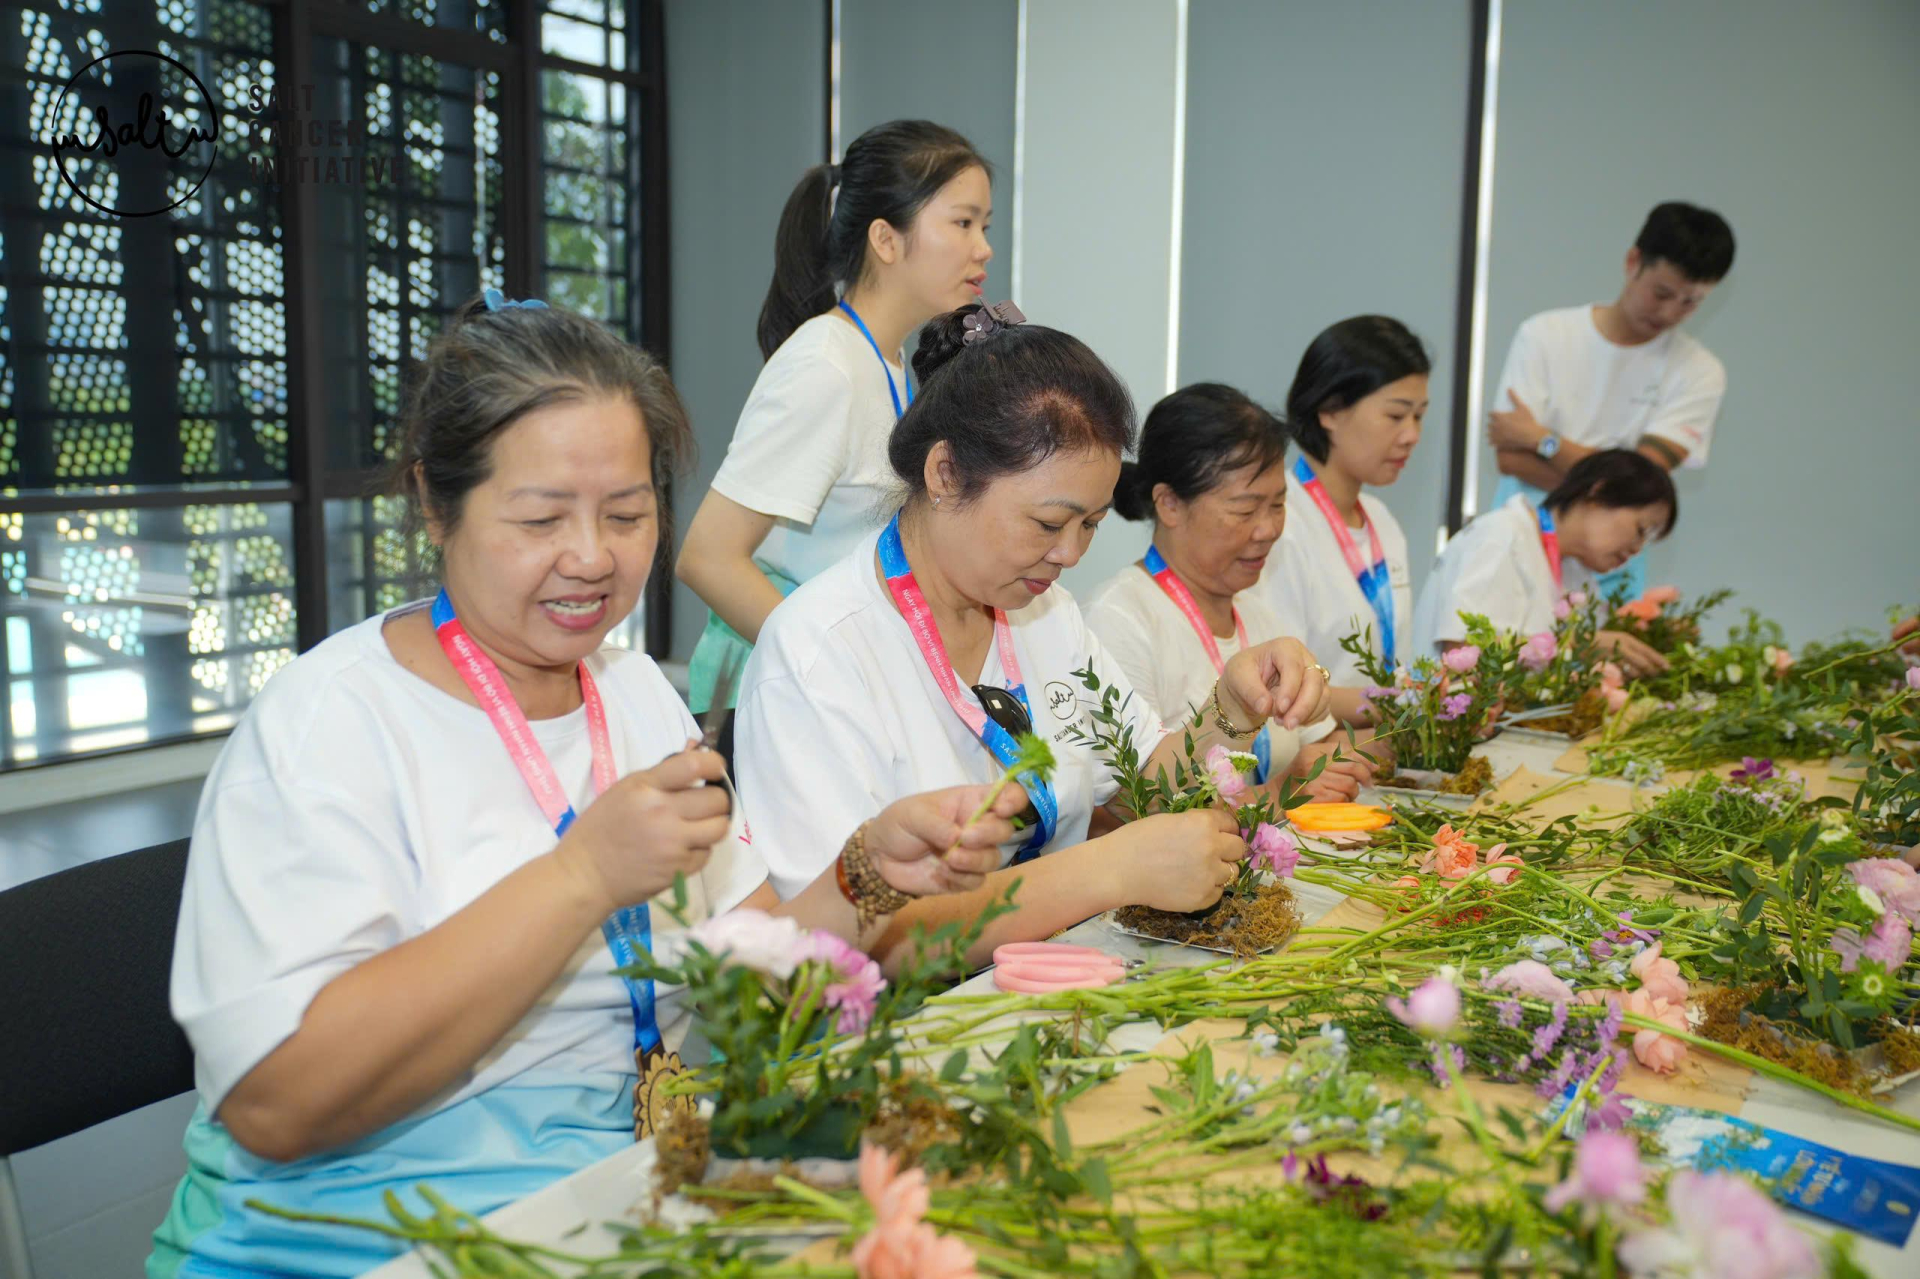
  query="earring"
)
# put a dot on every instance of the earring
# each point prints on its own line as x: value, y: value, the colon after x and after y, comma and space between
x: 936, y: 499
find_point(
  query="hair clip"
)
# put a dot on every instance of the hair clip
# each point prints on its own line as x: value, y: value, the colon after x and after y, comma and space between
x: 497, y: 301
x: 989, y: 320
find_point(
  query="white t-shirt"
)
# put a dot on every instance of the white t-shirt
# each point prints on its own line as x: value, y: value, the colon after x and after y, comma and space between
x: 1495, y: 566
x: 1597, y: 393
x: 1307, y: 581
x: 839, y: 716
x: 1145, y: 632
x: 810, y: 448
x: 355, y: 807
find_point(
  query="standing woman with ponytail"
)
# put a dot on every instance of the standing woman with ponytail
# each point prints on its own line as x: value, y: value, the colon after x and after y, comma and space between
x: 867, y: 252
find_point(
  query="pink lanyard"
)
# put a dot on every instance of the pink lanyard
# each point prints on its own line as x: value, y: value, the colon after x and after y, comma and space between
x: 1162, y: 572
x: 1318, y: 492
x: 913, y: 607
x: 1550, y: 543
x: 496, y: 699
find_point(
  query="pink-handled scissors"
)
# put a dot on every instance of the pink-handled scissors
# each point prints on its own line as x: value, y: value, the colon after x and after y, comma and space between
x: 1039, y: 968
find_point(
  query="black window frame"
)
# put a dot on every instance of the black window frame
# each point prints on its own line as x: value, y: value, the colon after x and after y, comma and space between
x: 312, y: 483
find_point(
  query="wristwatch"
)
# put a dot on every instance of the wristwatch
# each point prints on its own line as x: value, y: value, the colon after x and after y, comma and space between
x: 1548, y: 446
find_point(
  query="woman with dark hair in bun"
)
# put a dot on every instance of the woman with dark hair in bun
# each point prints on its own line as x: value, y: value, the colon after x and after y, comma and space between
x: 945, y: 636
x: 867, y: 251
x: 1211, y: 476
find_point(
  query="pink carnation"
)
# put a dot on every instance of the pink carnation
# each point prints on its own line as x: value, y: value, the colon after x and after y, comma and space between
x: 901, y: 1245
x: 1607, y: 1173
x: 1273, y: 849
x: 1722, y: 1227
x: 1453, y: 857
x: 1431, y: 1009
x: 1538, y: 651
x: 1896, y: 883
x: 1531, y: 978
x: 1225, y: 773
x: 1659, y: 977
x: 1461, y: 658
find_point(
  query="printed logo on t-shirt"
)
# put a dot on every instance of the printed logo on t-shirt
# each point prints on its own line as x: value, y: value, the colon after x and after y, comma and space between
x: 1060, y: 700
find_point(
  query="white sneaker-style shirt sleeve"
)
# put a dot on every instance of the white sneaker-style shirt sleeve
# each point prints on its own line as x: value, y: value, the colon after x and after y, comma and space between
x: 1690, y: 402
x: 1527, y: 372
x: 792, y: 441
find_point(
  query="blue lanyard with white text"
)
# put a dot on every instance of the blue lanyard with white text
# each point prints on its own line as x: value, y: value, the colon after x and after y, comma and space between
x: 886, y: 368
x: 912, y: 604
x: 627, y: 930
x: 1375, y: 581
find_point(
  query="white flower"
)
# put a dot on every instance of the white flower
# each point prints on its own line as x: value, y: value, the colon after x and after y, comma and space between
x: 1869, y: 898
x: 1733, y: 673
x: 763, y: 942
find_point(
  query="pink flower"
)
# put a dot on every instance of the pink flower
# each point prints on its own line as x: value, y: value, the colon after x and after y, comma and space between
x: 1640, y: 611
x: 1607, y: 1173
x: 1722, y: 1227
x: 1659, y: 977
x: 1782, y: 661
x: 1655, y: 1050
x: 1431, y: 1010
x: 1224, y: 771
x: 1538, y: 651
x: 1888, y: 945
x: 1661, y: 596
x: 1461, y: 659
x: 1531, y: 978
x: 1913, y: 677
x: 1616, y: 699
x: 857, y: 992
x: 1562, y: 610
x: 901, y: 1245
x: 775, y: 945
x: 1273, y: 849
x: 1896, y: 883
x: 1611, y: 676
x: 1452, y: 857
x: 1503, y: 865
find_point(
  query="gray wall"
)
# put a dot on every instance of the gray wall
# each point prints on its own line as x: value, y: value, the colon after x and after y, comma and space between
x: 746, y: 114
x: 937, y: 60
x: 1797, y: 122
x: 1315, y: 192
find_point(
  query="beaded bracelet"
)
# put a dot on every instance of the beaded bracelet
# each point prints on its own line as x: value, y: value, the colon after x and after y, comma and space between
x: 862, y: 884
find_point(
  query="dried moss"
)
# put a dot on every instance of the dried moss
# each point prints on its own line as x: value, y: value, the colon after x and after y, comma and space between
x: 1245, y: 926
x: 1588, y: 713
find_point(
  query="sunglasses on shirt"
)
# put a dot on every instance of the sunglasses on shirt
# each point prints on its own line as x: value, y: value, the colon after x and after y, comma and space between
x: 1004, y: 709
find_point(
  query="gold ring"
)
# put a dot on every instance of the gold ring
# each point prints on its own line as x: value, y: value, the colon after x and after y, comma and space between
x: 1326, y: 676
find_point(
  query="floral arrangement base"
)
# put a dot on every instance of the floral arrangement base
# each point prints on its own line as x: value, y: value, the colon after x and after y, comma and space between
x: 1441, y: 787
x: 1238, y: 926
x: 1588, y: 713
x: 686, y: 1160
x: 1879, y: 1067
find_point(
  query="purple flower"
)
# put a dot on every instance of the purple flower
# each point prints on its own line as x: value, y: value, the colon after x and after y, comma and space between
x: 1752, y: 770
x: 1461, y: 659
x: 1431, y: 1010
x: 1510, y: 1013
x: 1537, y: 653
x: 1349, y: 1192
x: 1273, y: 849
x: 1549, y: 1034
x: 1454, y: 707
x: 1608, y: 1113
x: 1601, y: 948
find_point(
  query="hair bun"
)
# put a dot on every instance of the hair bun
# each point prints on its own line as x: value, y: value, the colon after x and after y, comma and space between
x: 1132, y: 496
x: 942, y: 338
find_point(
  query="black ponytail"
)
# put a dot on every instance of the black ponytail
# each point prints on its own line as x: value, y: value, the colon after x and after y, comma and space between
x: 1192, y: 440
x: 889, y: 172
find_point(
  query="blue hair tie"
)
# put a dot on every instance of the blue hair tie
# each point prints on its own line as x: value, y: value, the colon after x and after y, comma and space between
x: 497, y: 301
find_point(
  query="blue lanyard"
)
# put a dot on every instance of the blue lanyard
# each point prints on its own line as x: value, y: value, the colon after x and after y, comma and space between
x: 628, y: 930
x: 894, y: 391
x: 1375, y: 581
x: 912, y: 604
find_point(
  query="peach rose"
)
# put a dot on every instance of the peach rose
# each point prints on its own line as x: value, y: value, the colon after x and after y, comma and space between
x: 1659, y: 977
x: 1661, y: 596
x: 1503, y: 865
x: 1655, y: 1050
x: 1452, y: 857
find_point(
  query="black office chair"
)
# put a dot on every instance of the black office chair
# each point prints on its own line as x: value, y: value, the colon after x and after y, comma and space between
x: 85, y: 955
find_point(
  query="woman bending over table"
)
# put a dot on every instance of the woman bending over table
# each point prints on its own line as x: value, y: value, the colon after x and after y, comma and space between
x: 396, y: 943
x: 1516, y: 562
x: 916, y: 661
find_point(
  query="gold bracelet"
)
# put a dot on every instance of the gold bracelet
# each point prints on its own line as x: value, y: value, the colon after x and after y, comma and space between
x: 862, y: 884
x: 1226, y: 726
